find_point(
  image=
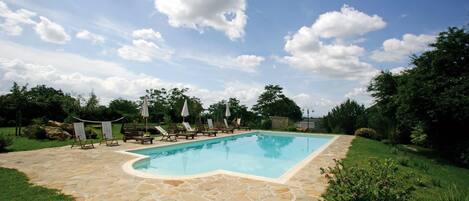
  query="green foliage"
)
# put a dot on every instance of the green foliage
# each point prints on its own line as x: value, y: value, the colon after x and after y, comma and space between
x: 272, y: 102
x: 438, y: 168
x: 124, y: 108
x: 14, y: 186
x: 35, y: 131
x: 167, y: 104
x: 5, y: 141
x: 455, y: 194
x: 432, y: 96
x: 368, y: 133
x: 217, y: 110
x: 418, y: 137
x: 345, y: 118
x: 266, y: 124
x: 381, y: 180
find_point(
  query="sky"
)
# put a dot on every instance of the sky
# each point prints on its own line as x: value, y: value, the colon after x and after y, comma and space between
x: 320, y: 52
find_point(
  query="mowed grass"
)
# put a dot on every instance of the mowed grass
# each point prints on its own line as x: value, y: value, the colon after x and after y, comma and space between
x: 436, y: 176
x: 24, y: 144
x: 14, y: 186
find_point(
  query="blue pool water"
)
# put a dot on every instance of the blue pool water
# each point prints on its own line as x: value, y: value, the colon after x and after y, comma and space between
x: 266, y: 154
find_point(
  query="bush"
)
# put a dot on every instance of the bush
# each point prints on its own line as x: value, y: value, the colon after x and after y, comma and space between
x: 418, y: 137
x: 381, y: 180
x: 367, y: 133
x: 35, y: 131
x: 5, y: 141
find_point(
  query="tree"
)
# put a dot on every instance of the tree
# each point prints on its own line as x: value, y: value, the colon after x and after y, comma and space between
x: 167, y: 104
x: 121, y: 107
x: 436, y: 93
x: 237, y: 110
x: 345, y: 118
x: 272, y: 102
x: 384, y: 89
x: 19, y: 100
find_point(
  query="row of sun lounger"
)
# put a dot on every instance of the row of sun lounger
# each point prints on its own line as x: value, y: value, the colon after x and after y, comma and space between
x: 188, y: 132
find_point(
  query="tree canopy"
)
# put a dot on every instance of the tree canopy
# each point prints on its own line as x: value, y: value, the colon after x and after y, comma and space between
x: 433, y: 94
x: 272, y: 102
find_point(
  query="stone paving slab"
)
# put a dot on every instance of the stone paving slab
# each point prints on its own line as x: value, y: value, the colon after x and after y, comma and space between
x: 97, y: 174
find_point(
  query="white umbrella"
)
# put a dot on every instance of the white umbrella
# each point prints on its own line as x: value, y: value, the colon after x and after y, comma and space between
x: 185, y: 110
x: 227, y: 112
x: 144, y: 111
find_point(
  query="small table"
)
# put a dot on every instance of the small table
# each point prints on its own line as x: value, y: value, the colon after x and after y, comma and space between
x: 144, y: 139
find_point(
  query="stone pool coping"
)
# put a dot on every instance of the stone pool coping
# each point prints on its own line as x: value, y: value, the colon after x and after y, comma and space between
x: 128, y: 166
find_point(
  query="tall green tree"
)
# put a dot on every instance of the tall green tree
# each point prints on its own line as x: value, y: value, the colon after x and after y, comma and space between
x: 237, y: 110
x: 345, y: 118
x: 436, y: 92
x: 19, y: 101
x: 272, y: 102
x: 167, y: 104
x: 126, y: 108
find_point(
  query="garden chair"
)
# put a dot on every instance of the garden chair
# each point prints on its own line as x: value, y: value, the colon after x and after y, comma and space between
x: 165, y: 135
x: 80, y: 137
x: 107, y: 134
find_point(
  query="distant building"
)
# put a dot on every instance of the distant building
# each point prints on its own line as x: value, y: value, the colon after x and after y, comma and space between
x: 312, y: 123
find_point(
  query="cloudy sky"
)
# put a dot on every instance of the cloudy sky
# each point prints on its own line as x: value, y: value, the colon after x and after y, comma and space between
x: 321, y: 52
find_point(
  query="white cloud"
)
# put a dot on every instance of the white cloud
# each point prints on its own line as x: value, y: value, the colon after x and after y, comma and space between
x: 78, y: 74
x: 348, y: 22
x: 228, y: 16
x: 246, y: 63
x: 361, y: 95
x: 13, y: 19
x: 336, y: 59
x: 398, y: 70
x: 320, y: 105
x: 395, y: 50
x: 51, y: 32
x: 144, y: 51
x: 147, y: 34
x: 94, y: 38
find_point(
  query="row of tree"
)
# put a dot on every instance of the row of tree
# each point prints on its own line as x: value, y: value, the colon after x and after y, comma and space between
x: 22, y: 105
x: 429, y: 101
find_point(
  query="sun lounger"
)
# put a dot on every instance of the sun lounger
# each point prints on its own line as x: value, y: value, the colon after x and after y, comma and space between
x: 166, y: 135
x: 238, y: 125
x: 107, y: 134
x: 188, y: 131
x: 80, y: 136
x: 227, y: 129
x: 209, y: 131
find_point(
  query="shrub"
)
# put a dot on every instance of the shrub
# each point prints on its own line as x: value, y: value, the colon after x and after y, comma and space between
x: 381, y: 180
x: 368, y: 133
x: 418, y: 137
x: 5, y: 141
x: 404, y: 161
x: 35, y: 131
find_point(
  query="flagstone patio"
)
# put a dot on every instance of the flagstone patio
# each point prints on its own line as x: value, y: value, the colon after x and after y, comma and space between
x: 97, y: 174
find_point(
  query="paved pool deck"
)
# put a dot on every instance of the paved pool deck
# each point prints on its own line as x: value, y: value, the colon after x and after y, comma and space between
x: 97, y: 174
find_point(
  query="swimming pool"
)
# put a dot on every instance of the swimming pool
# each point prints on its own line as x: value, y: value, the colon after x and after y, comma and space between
x: 261, y: 153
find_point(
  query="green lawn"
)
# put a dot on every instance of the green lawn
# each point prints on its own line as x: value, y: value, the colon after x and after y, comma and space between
x: 14, y: 185
x: 437, y: 175
x: 24, y: 144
